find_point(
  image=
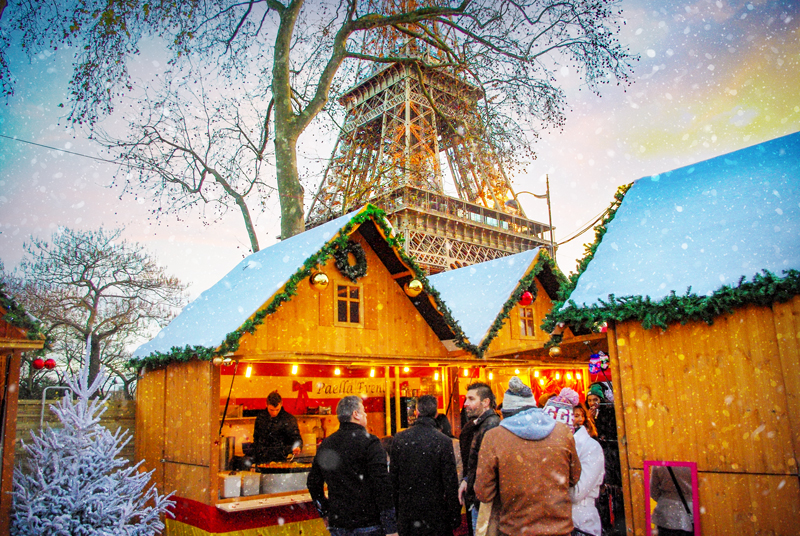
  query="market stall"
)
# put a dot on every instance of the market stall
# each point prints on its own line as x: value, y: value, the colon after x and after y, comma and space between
x: 697, y: 275
x: 337, y: 310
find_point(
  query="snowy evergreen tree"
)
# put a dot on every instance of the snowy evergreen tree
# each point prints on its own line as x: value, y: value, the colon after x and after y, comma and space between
x: 75, y: 482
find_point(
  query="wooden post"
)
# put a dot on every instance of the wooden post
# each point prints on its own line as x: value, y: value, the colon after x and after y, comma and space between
x: 397, y: 399
x: 9, y: 415
x: 619, y: 410
x: 387, y: 387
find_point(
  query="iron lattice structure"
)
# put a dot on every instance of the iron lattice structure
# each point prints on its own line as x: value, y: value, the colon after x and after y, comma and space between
x: 399, y: 121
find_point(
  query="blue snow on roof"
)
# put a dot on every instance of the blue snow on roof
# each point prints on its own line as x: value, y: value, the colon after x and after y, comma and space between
x: 476, y: 294
x: 702, y: 226
x: 224, y: 307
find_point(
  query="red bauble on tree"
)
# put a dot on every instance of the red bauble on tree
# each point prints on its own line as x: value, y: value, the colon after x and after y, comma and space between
x: 38, y: 363
x: 50, y: 364
x: 526, y: 298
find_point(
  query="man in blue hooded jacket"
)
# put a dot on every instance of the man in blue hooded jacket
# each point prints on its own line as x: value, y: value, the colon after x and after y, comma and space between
x: 532, y: 459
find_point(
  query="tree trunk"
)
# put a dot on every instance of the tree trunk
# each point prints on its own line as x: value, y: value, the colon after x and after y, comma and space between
x: 291, y: 191
x: 94, y: 358
x: 286, y: 127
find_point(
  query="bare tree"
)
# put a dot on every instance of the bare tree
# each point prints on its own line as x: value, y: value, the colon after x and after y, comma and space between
x: 188, y: 148
x: 302, y: 52
x: 93, y: 284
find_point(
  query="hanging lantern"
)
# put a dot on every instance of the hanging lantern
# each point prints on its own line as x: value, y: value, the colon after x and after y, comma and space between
x: 319, y: 281
x: 413, y: 288
x: 217, y: 361
x: 50, y: 364
x: 38, y: 363
x: 526, y: 298
x: 555, y: 351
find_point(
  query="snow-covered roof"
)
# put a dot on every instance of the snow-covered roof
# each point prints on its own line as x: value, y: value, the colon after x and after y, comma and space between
x: 476, y: 294
x: 224, y: 307
x: 702, y: 226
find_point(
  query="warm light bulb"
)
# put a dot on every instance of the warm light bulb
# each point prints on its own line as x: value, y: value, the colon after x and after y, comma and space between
x: 405, y: 369
x: 466, y: 372
x: 569, y: 375
x: 372, y: 373
x: 577, y: 375
x: 491, y: 376
x: 294, y: 369
x: 558, y: 375
x: 337, y: 371
x: 541, y: 382
x: 516, y: 371
x: 535, y: 373
x: 436, y: 376
x: 248, y: 371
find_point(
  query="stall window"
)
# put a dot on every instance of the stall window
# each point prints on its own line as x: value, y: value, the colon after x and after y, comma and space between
x: 348, y: 304
x: 526, y: 322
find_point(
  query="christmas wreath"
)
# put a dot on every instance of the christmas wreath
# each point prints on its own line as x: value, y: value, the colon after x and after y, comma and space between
x: 341, y: 255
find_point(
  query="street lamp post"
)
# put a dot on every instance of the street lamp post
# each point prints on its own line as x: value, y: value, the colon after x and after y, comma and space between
x: 546, y: 195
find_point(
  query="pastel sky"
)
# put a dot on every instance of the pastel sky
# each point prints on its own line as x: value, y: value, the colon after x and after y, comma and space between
x: 714, y: 76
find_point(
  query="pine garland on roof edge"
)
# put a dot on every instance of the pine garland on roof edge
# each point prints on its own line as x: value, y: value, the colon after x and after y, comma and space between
x: 764, y: 289
x: 231, y: 342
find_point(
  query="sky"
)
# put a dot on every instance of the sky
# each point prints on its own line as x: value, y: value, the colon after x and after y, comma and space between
x: 714, y: 76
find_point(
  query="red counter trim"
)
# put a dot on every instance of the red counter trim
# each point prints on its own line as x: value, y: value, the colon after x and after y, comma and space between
x: 211, y: 519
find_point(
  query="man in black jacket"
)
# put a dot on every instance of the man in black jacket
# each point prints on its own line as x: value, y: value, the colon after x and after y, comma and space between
x: 424, y: 477
x: 352, y: 462
x: 480, y: 404
x: 275, y: 433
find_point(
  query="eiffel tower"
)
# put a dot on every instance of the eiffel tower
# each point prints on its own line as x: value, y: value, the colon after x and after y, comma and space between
x: 400, y: 120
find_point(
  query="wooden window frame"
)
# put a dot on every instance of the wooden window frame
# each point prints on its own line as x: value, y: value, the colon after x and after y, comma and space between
x: 523, y: 319
x: 361, y: 308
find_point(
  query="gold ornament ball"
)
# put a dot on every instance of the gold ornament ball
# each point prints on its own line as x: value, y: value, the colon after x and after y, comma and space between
x: 555, y: 351
x: 217, y: 361
x: 319, y: 281
x: 413, y: 288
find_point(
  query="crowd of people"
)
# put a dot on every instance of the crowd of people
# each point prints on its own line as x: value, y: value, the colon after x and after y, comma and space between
x: 524, y: 469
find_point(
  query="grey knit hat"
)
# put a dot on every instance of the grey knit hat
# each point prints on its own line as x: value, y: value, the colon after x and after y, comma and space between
x: 518, y: 396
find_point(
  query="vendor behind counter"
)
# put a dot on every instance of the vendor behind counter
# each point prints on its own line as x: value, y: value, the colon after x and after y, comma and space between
x: 276, y: 434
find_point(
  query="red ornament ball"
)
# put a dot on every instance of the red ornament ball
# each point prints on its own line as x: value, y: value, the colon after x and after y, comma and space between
x: 526, y: 298
x: 38, y: 363
x: 50, y: 364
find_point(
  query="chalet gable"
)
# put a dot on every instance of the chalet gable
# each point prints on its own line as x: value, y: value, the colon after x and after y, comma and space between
x: 216, y: 321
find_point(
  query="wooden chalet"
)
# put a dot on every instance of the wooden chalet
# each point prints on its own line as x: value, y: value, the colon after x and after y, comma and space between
x: 697, y: 276
x: 15, y: 328
x: 288, y: 318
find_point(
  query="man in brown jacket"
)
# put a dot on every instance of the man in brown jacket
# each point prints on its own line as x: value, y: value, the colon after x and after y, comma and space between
x: 531, y: 462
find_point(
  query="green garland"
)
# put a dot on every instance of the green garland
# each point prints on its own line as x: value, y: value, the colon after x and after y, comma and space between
x: 341, y: 255
x: 764, y: 290
x: 526, y: 283
x: 551, y: 319
x: 231, y: 342
x: 18, y: 317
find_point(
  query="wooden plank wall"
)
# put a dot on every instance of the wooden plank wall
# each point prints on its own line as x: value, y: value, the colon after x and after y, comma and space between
x: 150, y: 424
x: 8, y: 422
x: 306, y: 323
x: 726, y: 397
x: 191, y: 426
x: 119, y: 414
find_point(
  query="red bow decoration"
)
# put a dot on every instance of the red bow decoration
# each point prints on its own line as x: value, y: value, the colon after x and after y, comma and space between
x: 302, y: 394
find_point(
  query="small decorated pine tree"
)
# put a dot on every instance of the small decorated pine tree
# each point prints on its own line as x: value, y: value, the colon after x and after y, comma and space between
x: 75, y: 483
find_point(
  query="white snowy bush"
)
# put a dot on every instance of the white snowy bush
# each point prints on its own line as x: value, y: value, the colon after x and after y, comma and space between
x: 75, y: 482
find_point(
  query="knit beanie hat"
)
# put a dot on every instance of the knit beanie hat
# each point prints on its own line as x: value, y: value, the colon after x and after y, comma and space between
x: 560, y: 406
x: 597, y: 390
x: 518, y: 396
